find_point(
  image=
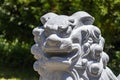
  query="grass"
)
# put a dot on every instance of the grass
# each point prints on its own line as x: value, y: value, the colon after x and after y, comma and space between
x: 17, y: 73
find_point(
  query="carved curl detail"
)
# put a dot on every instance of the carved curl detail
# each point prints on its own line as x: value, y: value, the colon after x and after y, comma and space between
x: 70, y: 48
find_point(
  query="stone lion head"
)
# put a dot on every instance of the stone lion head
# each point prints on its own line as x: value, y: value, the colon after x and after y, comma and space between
x: 67, y: 43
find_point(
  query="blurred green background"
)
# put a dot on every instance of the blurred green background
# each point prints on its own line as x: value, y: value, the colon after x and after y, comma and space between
x: 19, y: 17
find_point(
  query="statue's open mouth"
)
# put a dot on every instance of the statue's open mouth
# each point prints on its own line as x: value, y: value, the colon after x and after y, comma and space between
x: 61, y: 55
x: 57, y: 52
x: 59, y: 58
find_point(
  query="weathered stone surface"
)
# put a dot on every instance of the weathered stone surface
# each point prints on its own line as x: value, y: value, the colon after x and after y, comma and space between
x: 118, y: 77
x: 70, y: 48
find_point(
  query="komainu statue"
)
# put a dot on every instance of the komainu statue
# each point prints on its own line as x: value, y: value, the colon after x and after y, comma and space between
x: 70, y: 48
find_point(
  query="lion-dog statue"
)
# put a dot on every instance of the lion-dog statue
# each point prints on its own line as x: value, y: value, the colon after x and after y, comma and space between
x: 70, y: 48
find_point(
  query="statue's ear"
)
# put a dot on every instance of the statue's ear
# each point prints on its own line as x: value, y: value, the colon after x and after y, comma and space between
x: 47, y: 16
x: 83, y: 17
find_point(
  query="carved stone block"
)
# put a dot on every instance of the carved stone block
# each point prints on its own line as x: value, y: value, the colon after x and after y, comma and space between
x: 70, y: 48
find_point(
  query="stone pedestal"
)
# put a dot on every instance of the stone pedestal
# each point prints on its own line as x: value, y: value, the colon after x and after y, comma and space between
x: 70, y: 48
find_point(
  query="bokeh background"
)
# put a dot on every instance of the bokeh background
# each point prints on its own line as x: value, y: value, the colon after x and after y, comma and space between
x: 19, y: 17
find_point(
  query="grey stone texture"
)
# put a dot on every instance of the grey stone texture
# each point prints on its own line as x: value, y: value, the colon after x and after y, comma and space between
x: 70, y: 48
x: 118, y: 77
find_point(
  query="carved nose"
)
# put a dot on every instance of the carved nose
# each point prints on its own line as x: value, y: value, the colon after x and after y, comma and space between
x: 53, y: 41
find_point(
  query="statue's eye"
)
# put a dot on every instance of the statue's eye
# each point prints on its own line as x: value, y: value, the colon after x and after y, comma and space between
x: 47, y: 31
x: 62, y: 30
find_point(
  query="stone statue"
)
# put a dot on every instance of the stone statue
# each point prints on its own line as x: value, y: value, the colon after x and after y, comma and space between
x: 118, y: 77
x: 70, y: 48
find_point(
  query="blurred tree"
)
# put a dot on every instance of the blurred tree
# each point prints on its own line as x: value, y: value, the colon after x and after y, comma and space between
x: 19, y: 17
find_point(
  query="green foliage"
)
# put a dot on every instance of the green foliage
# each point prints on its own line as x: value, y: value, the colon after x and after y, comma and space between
x: 115, y: 63
x: 15, y: 53
x: 19, y: 17
x: 7, y: 73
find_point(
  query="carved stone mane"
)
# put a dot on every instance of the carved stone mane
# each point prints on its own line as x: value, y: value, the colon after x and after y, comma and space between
x: 70, y: 48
